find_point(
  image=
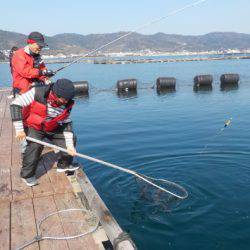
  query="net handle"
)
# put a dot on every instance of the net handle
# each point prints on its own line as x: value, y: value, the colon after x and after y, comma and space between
x: 142, y: 177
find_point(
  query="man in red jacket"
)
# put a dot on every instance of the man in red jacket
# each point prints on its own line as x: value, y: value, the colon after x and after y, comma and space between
x: 50, y: 107
x: 28, y: 69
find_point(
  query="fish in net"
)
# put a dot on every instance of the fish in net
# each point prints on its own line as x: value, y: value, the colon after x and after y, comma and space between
x: 160, y: 192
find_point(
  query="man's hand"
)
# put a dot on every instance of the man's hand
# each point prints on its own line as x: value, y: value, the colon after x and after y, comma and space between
x: 21, y: 136
x: 47, y: 81
x: 71, y: 151
x: 47, y: 72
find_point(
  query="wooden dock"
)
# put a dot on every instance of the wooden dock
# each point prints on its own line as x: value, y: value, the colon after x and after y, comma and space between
x: 22, y: 207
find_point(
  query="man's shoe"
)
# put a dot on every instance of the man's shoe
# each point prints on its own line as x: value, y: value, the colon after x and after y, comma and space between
x: 32, y: 181
x: 72, y: 167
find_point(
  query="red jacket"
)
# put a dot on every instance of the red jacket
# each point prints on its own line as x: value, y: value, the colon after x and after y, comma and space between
x: 37, y: 117
x: 25, y: 70
x: 38, y: 112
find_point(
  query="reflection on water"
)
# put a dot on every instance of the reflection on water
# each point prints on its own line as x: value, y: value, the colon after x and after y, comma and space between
x: 127, y: 94
x: 228, y: 87
x: 203, y: 88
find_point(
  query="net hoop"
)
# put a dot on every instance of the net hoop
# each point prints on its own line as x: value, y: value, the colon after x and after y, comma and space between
x: 40, y: 237
x: 177, y: 186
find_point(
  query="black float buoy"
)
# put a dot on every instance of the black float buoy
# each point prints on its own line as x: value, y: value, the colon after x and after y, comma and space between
x: 126, y: 85
x: 165, y: 84
x: 81, y: 88
x: 229, y: 81
x: 229, y: 78
x: 203, y: 82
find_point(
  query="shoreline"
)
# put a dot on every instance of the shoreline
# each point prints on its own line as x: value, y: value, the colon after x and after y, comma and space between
x: 141, y: 59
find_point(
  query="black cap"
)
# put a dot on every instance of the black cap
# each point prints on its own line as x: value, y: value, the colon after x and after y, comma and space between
x: 64, y: 88
x: 36, y: 37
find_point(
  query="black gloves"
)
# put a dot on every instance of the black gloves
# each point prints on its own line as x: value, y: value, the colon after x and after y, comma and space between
x: 47, y: 72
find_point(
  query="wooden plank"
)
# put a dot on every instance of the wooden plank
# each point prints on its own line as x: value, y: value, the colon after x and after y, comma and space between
x: 45, y: 187
x: 23, y: 227
x: 20, y: 190
x: 5, y: 154
x: 2, y: 105
x: 44, y: 206
x: 16, y: 154
x: 5, y: 225
x: 59, y: 181
x: 99, y: 237
x: 6, y: 132
x: 5, y: 183
x: 2, y: 108
x: 66, y: 201
x: 111, y: 227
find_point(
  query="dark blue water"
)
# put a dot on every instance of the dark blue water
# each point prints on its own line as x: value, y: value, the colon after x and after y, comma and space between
x: 161, y: 136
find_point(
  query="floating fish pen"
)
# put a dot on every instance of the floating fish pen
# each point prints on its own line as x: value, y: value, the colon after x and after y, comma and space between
x: 203, y: 82
x: 167, y: 60
x: 126, y: 85
x: 229, y: 81
x: 165, y: 84
x: 81, y: 88
x: 126, y: 88
x: 129, y: 87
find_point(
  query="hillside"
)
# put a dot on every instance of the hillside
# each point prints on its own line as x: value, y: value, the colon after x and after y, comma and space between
x: 76, y: 43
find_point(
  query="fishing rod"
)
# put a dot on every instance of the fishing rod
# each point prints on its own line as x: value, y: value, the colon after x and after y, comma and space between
x: 172, y: 13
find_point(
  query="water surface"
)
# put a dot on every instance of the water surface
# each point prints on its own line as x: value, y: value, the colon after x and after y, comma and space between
x: 161, y: 136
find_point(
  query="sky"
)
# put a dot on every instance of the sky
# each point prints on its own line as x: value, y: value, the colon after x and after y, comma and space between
x: 53, y: 17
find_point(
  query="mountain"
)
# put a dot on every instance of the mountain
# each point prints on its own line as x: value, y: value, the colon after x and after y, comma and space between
x: 76, y: 43
x: 10, y: 39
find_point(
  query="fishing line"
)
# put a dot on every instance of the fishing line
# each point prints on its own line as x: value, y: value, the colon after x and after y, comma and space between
x: 226, y: 124
x: 112, y: 89
x: 179, y: 191
x: 147, y: 86
x: 97, y: 90
x: 173, y: 13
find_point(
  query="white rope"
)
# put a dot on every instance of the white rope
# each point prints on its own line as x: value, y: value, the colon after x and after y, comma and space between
x: 172, y: 13
x: 140, y: 176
